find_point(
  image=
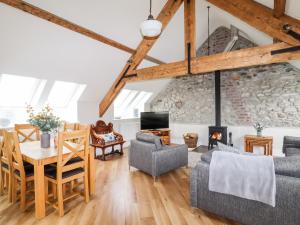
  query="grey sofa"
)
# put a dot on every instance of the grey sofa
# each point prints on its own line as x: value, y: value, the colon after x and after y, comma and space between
x: 291, y: 146
x: 147, y: 154
x: 286, y: 212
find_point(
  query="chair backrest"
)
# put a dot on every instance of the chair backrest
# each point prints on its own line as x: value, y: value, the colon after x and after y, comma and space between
x: 27, y: 132
x: 79, y: 148
x: 102, y: 128
x: 4, y: 154
x: 149, y: 138
x: 81, y: 126
x: 13, y: 148
x: 70, y: 126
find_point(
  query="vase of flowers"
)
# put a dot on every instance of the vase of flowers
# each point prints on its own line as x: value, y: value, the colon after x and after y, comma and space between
x: 45, y: 121
x: 259, y: 128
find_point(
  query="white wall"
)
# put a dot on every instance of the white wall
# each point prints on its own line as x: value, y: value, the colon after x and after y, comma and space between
x: 130, y: 127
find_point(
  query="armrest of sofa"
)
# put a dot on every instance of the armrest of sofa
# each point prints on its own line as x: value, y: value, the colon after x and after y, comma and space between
x: 287, y: 166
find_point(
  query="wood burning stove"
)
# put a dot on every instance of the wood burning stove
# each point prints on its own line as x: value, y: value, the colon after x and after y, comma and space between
x: 217, y: 133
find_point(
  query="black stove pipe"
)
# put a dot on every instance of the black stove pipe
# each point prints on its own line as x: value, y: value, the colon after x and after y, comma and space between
x: 218, y: 97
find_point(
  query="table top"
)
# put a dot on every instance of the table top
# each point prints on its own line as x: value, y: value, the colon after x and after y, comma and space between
x: 257, y: 137
x: 34, y: 150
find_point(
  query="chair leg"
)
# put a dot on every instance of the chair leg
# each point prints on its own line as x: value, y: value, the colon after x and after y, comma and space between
x: 121, y: 151
x: 71, y: 186
x: 112, y: 149
x: 103, y: 154
x: 1, y: 181
x: 95, y: 151
x: 86, y: 188
x: 54, y: 190
x: 46, y: 190
x: 60, y: 199
x: 9, y: 188
x: 64, y: 188
x: 154, y: 178
x: 13, y: 190
x: 23, y: 195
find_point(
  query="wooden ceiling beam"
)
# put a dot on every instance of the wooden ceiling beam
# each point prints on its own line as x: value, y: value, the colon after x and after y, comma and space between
x: 43, y: 14
x: 279, y: 8
x: 190, y: 28
x: 261, y: 18
x: 166, y: 14
x: 223, y: 61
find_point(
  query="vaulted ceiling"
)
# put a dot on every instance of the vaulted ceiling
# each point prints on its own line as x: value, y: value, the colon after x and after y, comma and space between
x: 34, y: 47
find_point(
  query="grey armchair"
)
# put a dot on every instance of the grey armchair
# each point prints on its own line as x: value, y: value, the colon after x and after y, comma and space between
x: 147, y: 154
x: 291, y: 146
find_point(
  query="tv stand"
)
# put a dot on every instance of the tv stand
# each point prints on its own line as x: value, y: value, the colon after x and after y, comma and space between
x: 164, y: 134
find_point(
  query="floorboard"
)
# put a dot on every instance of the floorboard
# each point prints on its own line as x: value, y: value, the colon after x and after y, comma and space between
x: 123, y: 197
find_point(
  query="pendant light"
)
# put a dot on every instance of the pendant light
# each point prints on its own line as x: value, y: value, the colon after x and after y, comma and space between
x: 151, y: 27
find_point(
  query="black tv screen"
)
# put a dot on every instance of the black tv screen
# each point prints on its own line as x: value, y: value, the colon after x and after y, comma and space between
x: 154, y: 120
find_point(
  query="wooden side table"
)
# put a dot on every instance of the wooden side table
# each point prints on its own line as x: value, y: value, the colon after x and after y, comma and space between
x: 263, y: 141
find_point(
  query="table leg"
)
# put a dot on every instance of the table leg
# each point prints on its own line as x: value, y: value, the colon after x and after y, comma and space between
x: 92, y: 172
x: 39, y: 188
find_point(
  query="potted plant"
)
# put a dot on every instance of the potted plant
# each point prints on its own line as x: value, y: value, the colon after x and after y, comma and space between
x: 45, y: 121
x: 259, y: 128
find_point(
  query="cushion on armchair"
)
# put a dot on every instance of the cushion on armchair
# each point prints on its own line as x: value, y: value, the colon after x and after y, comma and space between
x: 150, y: 138
x: 108, y: 137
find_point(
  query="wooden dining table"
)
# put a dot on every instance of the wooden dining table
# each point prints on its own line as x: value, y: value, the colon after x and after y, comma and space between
x: 39, y: 157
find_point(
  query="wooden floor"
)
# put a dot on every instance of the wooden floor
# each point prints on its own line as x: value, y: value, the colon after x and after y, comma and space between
x: 123, y: 197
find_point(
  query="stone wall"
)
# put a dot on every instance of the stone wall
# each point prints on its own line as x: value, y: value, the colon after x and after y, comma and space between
x: 268, y: 94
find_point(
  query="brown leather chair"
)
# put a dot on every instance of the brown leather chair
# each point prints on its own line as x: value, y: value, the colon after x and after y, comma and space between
x: 98, y: 141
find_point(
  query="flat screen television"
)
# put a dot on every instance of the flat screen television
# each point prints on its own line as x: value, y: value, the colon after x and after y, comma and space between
x: 154, y: 120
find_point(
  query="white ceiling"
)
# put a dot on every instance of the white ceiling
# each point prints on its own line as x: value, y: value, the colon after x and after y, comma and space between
x: 34, y: 47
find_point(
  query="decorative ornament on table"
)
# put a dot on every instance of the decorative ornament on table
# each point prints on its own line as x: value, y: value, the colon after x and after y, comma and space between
x: 259, y: 128
x: 45, y: 121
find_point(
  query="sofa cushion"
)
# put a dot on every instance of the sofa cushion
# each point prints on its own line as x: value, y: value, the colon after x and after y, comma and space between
x: 287, y: 166
x: 292, y: 151
x: 150, y: 138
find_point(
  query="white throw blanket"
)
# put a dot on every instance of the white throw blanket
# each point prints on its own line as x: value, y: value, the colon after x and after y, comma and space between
x: 245, y: 176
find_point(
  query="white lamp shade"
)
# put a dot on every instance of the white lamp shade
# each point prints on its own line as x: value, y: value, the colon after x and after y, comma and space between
x: 151, y: 28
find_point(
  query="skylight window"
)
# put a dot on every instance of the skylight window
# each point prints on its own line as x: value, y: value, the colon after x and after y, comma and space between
x: 17, y: 91
x: 130, y: 103
x: 63, y: 93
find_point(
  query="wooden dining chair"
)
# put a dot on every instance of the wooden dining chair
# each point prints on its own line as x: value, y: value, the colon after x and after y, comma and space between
x: 22, y: 172
x: 67, y: 170
x: 27, y: 132
x: 5, y: 166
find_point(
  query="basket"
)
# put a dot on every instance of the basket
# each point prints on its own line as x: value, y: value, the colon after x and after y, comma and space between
x: 191, y: 139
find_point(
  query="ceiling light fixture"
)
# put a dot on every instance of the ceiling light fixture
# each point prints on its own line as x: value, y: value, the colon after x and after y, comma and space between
x: 151, y: 27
